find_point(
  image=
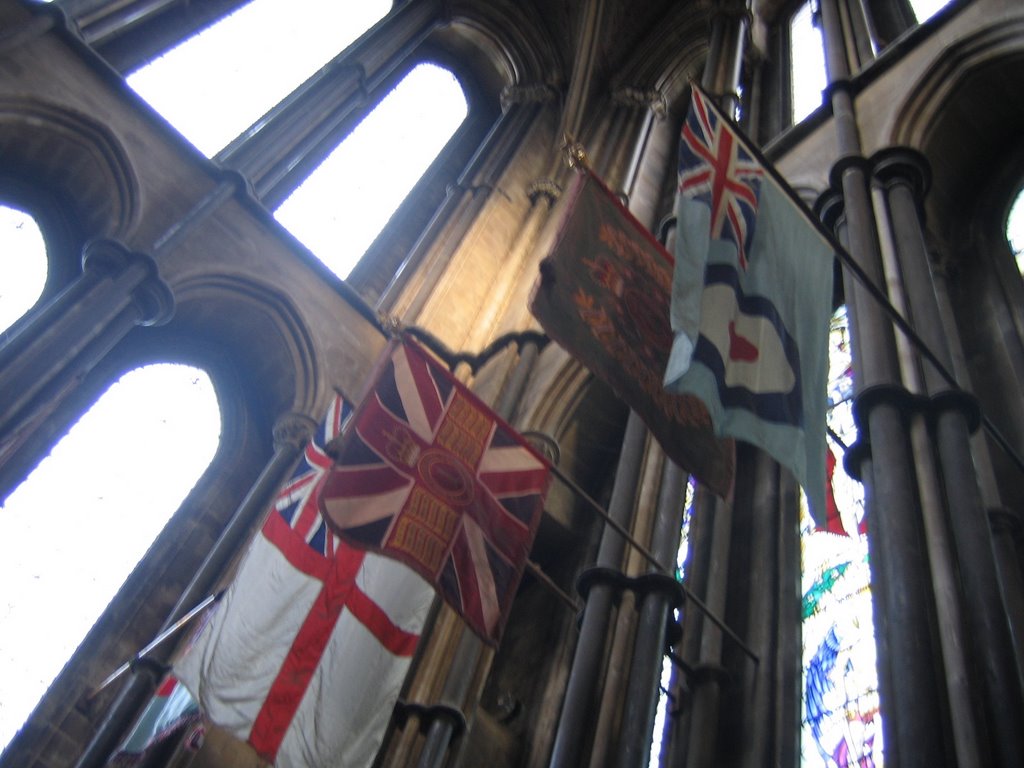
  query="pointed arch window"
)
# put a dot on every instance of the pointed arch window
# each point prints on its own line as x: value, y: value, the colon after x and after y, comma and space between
x: 23, y: 265
x: 74, y: 530
x: 220, y: 81
x: 342, y: 206
x: 807, y: 63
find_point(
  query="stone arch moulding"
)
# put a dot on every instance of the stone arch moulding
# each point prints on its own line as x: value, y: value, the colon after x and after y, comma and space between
x: 76, y: 158
x: 914, y: 121
x: 261, y: 331
x: 519, y: 53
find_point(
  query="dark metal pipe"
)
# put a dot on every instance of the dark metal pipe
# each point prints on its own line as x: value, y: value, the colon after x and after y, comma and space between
x: 641, y: 702
x: 578, y: 703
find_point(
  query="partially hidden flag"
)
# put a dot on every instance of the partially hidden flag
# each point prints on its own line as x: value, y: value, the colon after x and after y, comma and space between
x: 306, y: 654
x: 834, y: 522
x: 429, y: 475
x: 171, y: 714
x: 603, y: 295
x: 751, y: 300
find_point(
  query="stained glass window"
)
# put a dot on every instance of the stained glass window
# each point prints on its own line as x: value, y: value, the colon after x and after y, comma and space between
x: 665, y: 701
x: 842, y: 723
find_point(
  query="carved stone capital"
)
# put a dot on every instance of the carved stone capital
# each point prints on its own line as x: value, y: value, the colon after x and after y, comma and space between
x: 105, y: 257
x: 293, y: 430
x: 546, y: 188
x: 535, y: 93
x: 641, y: 98
x: 154, y: 299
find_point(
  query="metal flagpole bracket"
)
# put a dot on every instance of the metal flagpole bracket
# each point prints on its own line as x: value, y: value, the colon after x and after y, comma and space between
x: 427, y: 714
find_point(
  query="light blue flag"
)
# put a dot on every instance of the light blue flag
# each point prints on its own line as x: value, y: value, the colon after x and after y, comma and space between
x: 751, y: 300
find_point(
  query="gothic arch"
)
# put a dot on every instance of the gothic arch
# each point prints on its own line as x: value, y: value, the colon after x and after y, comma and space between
x: 966, y: 118
x: 964, y: 114
x: 282, y: 372
x: 495, y: 34
x: 76, y: 158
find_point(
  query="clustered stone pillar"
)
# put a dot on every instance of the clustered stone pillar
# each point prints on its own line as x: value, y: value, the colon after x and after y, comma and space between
x: 274, y: 155
x: 995, y: 679
x: 43, y: 363
x: 600, y: 600
x: 910, y: 695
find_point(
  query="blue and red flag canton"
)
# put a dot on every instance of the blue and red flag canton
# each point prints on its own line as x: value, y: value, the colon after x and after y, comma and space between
x: 297, y: 502
x: 717, y: 170
x: 430, y: 476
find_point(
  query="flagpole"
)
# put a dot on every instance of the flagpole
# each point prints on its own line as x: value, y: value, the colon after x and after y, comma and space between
x: 701, y: 606
x: 877, y: 293
x: 140, y: 656
x: 535, y: 569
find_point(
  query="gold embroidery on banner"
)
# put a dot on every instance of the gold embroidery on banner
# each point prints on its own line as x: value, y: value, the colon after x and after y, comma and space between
x: 424, y: 529
x: 464, y: 431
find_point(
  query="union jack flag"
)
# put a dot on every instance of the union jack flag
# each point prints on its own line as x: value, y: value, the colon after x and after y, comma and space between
x: 307, y: 653
x: 427, y: 474
x: 296, y: 502
x: 716, y: 169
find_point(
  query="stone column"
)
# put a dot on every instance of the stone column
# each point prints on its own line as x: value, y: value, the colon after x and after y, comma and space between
x: 954, y: 416
x: 600, y: 599
x: 118, y: 290
x: 911, y: 699
x: 291, y: 433
x: 271, y: 153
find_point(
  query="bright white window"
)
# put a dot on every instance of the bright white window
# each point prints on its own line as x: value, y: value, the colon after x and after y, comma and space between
x: 807, y: 78
x: 1015, y: 230
x: 925, y: 9
x: 22, y: 264
x: 219, y: 82
x: 342, y: 206
x: 74, y: 530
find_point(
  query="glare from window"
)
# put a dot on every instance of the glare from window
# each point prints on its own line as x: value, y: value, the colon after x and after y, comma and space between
x: 22, y: 264
x: 74, y: 530
x: 218, y: 83
x: 339, y: 210
x: 925, y: 9
x: 1015, y: 230
x: 808, y: 78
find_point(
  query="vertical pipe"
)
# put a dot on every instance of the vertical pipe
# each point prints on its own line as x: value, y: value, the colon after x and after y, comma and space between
x: 940, y: 556
x: 984, y: 610
x: 579, y: 694
x: 641, y: 700
x: 908, y: 688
